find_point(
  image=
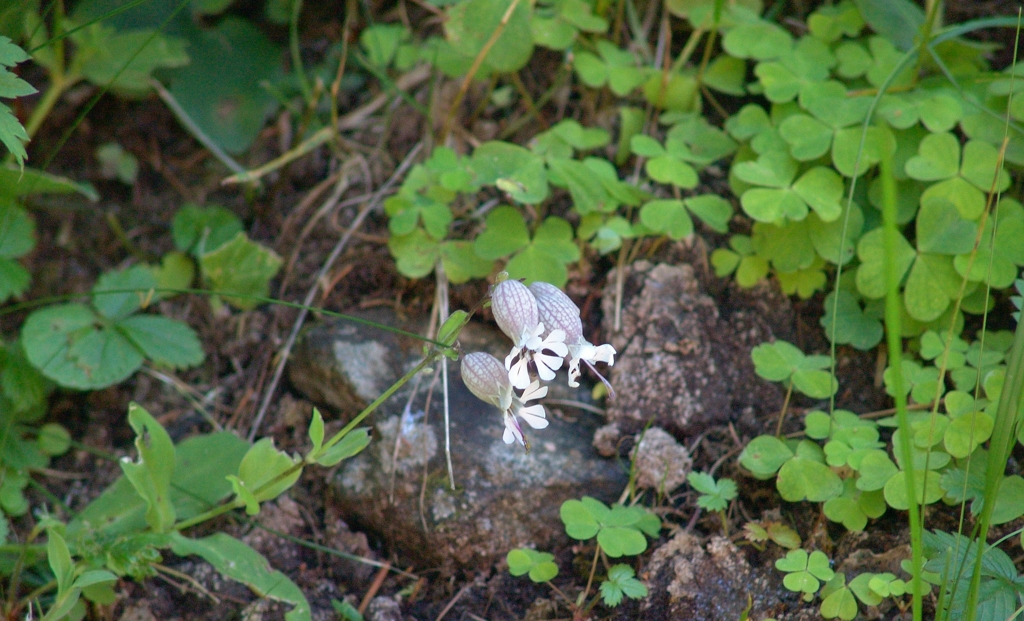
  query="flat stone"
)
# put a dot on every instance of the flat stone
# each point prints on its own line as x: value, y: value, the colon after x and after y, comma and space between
x: 680, y: 363
x: 504, y: 498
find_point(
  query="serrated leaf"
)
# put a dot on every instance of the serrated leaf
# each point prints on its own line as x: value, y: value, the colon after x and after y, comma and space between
x: 198, y: 230
x: 240, y: 266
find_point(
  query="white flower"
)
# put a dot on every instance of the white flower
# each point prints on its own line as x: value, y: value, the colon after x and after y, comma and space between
x: 516, y: 313
x: 558, y: 312
x: 488, y: 379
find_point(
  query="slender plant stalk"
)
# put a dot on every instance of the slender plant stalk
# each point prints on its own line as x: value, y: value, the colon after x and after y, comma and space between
x: 893, y: 330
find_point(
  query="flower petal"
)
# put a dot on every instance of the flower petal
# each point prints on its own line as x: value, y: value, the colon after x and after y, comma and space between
x: 534, y: 416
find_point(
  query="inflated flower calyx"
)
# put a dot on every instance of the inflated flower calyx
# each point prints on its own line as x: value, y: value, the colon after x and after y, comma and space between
x: 487, y: 378
x: 516, y: 313
x: 557, y: 311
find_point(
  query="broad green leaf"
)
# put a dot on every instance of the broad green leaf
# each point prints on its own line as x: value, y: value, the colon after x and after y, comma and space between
x: 516, y: 171
x: 461, y: 262
x: 806, y: 479
x: 545, y: 258
x: 966, y: 432
x: 875, y: 471
x: 870, y: 274
x: 151, y: 473
x: 979, y: 167
x: 853, y: 326
x: 539, y: 565
x: 198, y: 483
x: 471, y: 24
x: 808, y: 137
x: 926, y: 487
x: 17, y: 230
x: 765, y: 455
x: 262, y: 467
x: 667, y: 216
x: 679, y: 93
x: 848, y: 156
x: 897, y: 20
x: 105, y: 53
x: 198, y: 230
x: 836, y: 241
x: 942, y: 230
x: 822, y: 189
x: 854, y: 60
x: 59, y: 558
x: 1009, y: 500
x: 931, y: 285
x: 938, y: 157
x: 758, y: 40
x: 117, y: 295
x: 968, y: 200
x: 415, y: 254
x: 163, y: 340
x: 221, y: 89
x: 380, y: 42
x: 67, y: 345
x: 236, y: 560
x: 712, y: 209
x: 579, y: 522
x: 829, y: 23
x: 240, y: 266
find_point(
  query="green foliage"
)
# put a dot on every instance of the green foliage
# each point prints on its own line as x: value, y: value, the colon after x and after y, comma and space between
x: 621, y: 581
x: 714, y: 495
x: 783, y: 362
x: 619, y: 530
x: 93, y: 346
x: 236, y: 560
x: 151, y: 474
x: 12, y: 134
x: 229, y: 262
x: 804, y: 572
x: 539, y: 565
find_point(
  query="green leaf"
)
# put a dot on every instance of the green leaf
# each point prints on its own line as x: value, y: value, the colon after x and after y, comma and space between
x: 59, y: 558
x: 621, y: 581
x: 221, y: 89
x: 967, y: 432
x: 263, y: 464
x: 617, y: 541
x: 875, y: 471
x: 380, y: 42
x: 128, y: 289
x: 163, y: 340
x: 822, y: 189
x: 846, y: 146
x: 68, y: 346
x: 240, y: 266
x: 667, y: 216
x: 116, y: 163
x: 852, y: 325
x: 931, y: 285
x: 539, y: 565
x: 471, y: 25
x: 151, y: 474
x: 870, y: 274
x: 1009, y: 500
x: 926, y: 487
x: 806, y: 479
x: 759, y: 40
x: 839, y: 604
x: 198, y: 230
x: 579, y: 522
x: 764, y: 455
x: 517, y: 171
x: 415, y: 254
x: 980, y: 165
x: 829, y: 23
x: 715, y: 495
x: 236, y: 560
x: 316, y: 431
x: 15, y: 182
x: 349, y: 446
x: 545, y: 258
x: 897, y: 20
x: 712, y: 209
x: 938, y: 157
x: 53, y: 439
x: 105, y: 52
x: 201, y: 465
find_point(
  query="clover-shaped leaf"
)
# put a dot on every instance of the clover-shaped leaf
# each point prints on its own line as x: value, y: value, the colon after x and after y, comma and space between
x: 198, y: 230
x: 539, y: 565
x: 781, y: 361
x: 740, y: 258
x: 556, y: 23
x: 829, y: 23
x: 621, y: 581
x: 568, y: 136
x: 801, y: 478
x: 804, y: 573
x: 967, y: 432
x: 848, y: 156
x: 875, y: 471
x: 760, y: 40
x: 240, y: 266
x: 615, y: 67
x: 926, y: 486
x: 853, y: 325
x: 938, y: 158
x: 665, y: 166
x: 620, y: 530
x: 415, y: 254
x: 516, y: 171
x: 837, y: 600
x: 764, y: 455
x: 997, y: 260
x: 471, y: 25
x: 808, y: 62
x: 819, y: 189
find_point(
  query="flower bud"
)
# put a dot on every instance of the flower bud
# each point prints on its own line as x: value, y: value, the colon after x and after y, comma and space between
x: 557, y: 311
x: 515, y: 310
x: 487, y: 378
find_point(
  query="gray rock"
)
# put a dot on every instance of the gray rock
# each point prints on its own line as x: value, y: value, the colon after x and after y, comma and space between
x: 346, y: 365
x: 687, y: 580
x: 680, y: 363
x: 505, y: 498
x: 660, y: 462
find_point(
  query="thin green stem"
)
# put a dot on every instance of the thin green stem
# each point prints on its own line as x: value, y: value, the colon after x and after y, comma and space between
x: 894, y: 340
x: 293, y: 45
